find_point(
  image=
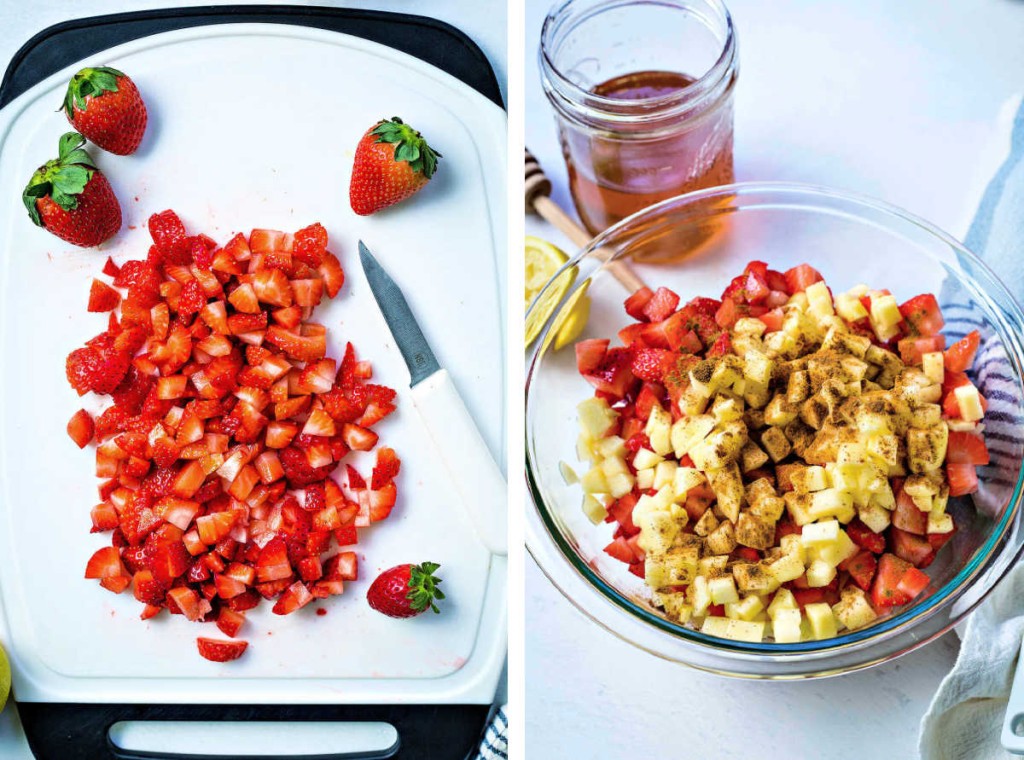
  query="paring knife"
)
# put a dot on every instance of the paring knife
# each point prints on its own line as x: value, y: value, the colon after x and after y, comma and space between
x: 456, y: 438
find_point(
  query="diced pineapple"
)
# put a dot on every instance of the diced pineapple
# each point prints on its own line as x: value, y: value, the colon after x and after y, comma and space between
x: 853, y: 609
x: 884, y: 448
x: 783, y: 600
x: 620, y: 484
x: 788, y: 567
x: 595, y: 416
x: 940, y: 500
x: 934, y: 366
x: 749, y: 325
x: 851, y: 453
x: 799, y: 506
x: 727, y: 372
x: 925, y: 416
x: 645, y: 479
x: 754, y: 578
x: 585, y: 448
x: 819, y: 301
x: 677, y: 607
x: 822, y: 621
x: 687, y: 432
x: 753, y: 532
x: 969, y: 401
x: 723, y: 590
x: 941, y: 523
x: 665, y: 474
x: 727, y: 483
x: 612, y: 446
x: 687, y: 478
x: 711, y: 567
x: 820, y: 534
x: 781, y: 344
x: 776, y: 444
x: 593, y: 509
x: 721, y: 447
x: 749, y: 607
x: 885, y: 313
x: 706, y: 524
x: 830, y: 503
x: 646, y: 459
x: 715, y: 626
x: 722, y: 540
x: 809, y: 479
x: 752, y: 457
x: 594, y: 481
x: 614, y: 466
x: 926, y: 449
x: 786, y: 626
x: 850, y: 308
x: 569, y: 476
x: 769, y: 509
x: 692, y: 402
x: 780, y: 410
x: 658, y: 430
x: 743, y: 630
x: 820, y: 573
x: 676, y: 567
x: 877, y: 518
x: 793, y: 544
x: 698, y: 595
x: 726, y: 409
x: 757, y: 368
x: 658, y: 530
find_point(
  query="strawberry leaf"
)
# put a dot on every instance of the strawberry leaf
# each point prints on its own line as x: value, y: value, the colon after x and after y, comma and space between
x: 89, y: 82
x: 424, y: 587
x: 63, y: 179
x: 409, y: 145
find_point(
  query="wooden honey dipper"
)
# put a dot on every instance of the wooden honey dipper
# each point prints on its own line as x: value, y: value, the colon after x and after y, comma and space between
x: 538, y: 200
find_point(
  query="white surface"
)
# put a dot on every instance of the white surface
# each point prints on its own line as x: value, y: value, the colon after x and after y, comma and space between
x: 472, y: 469
x: 898, y: 100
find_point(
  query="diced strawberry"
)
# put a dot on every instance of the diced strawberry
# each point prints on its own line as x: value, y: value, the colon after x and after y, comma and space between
x: 913, y: 583
x: 915, y: 549
x: 386, y: 468
x: 963, y: 479
x: 81, y: 428
x: 960, y: 356
x: 105, y: 563
x: 295, y: 597
x: 220, y: 651
x: 799, y: 277
x: 912, y: 349
x: 922, y: 315
x: 229, y: 621
x: 660, y: 305
x: 590, y: 355
x: 966, y: 448
x: 864, y: 537
x: 613, y: 376
x: 303, y: 348
x: 110, y: 269
x: 908, y: 517
x: 620, y: 549
x: 358, y: 438
x: 636, y: 303
x: 332, y: 273
x: 861, y: 568
x: 102, y: 297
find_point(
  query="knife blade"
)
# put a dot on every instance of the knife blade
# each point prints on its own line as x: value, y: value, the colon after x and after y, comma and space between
x: 414, y: 347
x: 456, y: 438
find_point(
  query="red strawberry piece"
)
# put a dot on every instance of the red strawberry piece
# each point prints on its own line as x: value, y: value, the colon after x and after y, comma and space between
x: 217, y: 650
x: 386, y: 468
x: 406, y: 590
x: 105, y: 105
x: 191, y: 300
x: 81, y: 428
x: 392, y: 162
x: 102, y: 297
x: 110, y: 269
x: 295, y: 597
x: 71, y: 198
x: 311, y: 244
x: 229, y: 621
x: 99, y: 367
x: 332, y: 273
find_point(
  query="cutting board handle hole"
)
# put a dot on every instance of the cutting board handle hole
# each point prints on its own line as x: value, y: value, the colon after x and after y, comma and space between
x: 214, y: 740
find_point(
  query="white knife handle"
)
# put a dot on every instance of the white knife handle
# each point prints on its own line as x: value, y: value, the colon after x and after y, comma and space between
x: 466, y: 457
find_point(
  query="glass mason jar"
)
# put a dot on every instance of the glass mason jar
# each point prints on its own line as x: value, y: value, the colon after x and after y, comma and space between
x: 643, y: 100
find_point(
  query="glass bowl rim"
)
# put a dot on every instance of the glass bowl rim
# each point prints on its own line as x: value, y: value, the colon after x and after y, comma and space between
x: 942, y: 598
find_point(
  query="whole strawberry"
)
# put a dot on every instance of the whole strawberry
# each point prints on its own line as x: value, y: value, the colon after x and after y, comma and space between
x: 392, y: 162
x: 104, y: 105
x: 71, y: 198
x: 406, y: 590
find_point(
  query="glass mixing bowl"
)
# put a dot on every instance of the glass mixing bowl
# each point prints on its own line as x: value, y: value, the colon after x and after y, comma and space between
x: 694, y: 244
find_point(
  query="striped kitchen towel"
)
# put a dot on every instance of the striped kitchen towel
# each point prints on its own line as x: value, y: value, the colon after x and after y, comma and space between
x: 965, y: 718
x: 494, y: 744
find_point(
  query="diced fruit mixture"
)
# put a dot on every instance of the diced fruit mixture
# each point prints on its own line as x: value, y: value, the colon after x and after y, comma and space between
x: 229, y: 424
x: 778, y: 462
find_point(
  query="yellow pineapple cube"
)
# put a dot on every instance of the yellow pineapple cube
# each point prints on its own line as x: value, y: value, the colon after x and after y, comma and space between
x: 715, y: 626
x: 595, y: 416
x: 969, y: 401
x: 820, y: 573
x: 698, y: 595
x: 941, y: 523
x: 784, y: 600
x: 727, y: 483
x: 819, y: 302
x: 620, y: 484
x: 786, y: 626
x: 877, y: 518
x: 612, y: 446
x: 788, y: 567
x: 687, y: 478
x: 821, y: 619
x: 658, y: 430
x: 665, y: 474
x: 646, y: 459
x: 687, y: 432
x: 934, y: 365
x: 809, y: 479
x: 726, y: 408
x: 824, y: 533
x: 743, y: 630
x: 723, y: 590
x: 645, y: 479
x: 594, y: 509
x: 853, y: 609
x: 749, y: 607
x: 749, y: 325
x: 594, y: 481
x: 926, y: 449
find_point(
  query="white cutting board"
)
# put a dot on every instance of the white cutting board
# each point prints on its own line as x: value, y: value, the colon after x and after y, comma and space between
x: 255, y: 125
